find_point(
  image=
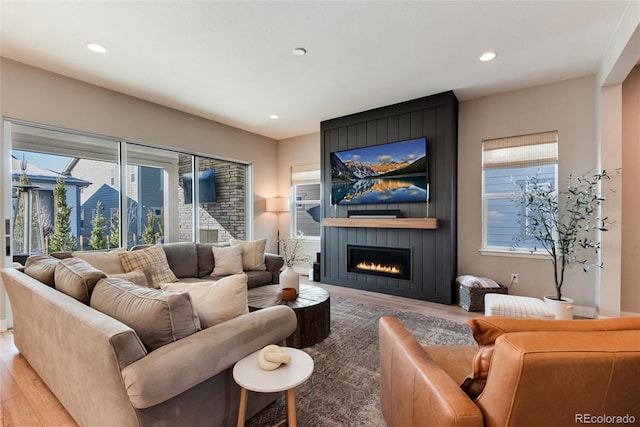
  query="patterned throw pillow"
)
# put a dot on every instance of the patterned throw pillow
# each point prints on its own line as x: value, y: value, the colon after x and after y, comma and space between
x: 152, y: 259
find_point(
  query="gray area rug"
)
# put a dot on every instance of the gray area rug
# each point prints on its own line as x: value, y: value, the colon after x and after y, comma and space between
x: 343, y: 389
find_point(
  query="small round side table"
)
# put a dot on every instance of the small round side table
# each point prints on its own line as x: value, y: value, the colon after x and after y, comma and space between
x: 249, y: 376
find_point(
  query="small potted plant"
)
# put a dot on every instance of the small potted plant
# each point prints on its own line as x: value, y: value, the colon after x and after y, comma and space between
x: 565, y: 224
x: 293, y: 254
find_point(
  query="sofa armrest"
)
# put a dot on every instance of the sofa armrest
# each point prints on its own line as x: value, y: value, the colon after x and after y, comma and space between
x: 414, y: 390
x: 178, y: 366
x: 274, y: 263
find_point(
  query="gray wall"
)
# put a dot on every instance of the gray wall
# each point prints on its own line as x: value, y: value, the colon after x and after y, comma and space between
x: 434, y: 251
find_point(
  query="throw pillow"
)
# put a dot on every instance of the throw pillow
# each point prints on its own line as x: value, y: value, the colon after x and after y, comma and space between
x: 158, y: 317
x: 137, y: 277
x: 205, y: 259
x: 252, y: 253
x: 107, y: 261
x: 227, y: 260
x: 216, y: 302
x: 77, y: 278
x: 182, y: 258
x: 42, y: 268
x: 152, y: 258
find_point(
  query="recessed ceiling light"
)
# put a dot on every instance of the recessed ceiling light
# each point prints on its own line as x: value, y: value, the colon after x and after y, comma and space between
x: 488, y: 56
x: 274, y: 116
x: 95, y: 47
x: 299, y: 51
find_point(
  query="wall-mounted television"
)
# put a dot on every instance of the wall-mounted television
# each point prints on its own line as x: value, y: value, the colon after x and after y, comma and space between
x: 206, y: 186
x: 387, y: 173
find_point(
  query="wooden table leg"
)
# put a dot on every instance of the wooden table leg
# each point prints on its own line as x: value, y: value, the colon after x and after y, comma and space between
x: 291, y: 408
x: 242, y: 410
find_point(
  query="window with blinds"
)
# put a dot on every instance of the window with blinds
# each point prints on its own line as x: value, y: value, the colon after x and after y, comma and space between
x: 506, y: 164
x: 305, y: 191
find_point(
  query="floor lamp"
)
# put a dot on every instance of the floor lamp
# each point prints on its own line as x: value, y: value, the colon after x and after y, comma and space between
x: 277, y: 205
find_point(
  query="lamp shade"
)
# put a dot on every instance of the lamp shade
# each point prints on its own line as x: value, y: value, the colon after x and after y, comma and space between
x: 278, y: 204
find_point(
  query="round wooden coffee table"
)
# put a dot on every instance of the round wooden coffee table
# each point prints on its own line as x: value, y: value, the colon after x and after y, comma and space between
x: 312, y: 308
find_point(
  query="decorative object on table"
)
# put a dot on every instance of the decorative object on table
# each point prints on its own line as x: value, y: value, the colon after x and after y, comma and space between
x: 292, y: 253
x: 288, y: 294
x: 271, y: 357
x: 472, y: 289
x: 565, y: 223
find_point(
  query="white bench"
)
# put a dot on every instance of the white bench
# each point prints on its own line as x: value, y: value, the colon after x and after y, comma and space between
x: 516, y: 306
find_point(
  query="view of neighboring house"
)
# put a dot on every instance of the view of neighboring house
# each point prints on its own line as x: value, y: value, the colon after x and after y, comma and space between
x: 88, y: 182
x: 44, y: 180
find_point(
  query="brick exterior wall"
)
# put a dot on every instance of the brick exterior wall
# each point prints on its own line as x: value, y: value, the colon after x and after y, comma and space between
x: 227, y: 215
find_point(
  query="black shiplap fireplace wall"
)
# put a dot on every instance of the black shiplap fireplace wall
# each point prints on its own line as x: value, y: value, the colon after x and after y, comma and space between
x: 433, y: 250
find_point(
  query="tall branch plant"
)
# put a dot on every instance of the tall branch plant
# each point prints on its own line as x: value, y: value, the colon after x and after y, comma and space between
x: 566, y: 224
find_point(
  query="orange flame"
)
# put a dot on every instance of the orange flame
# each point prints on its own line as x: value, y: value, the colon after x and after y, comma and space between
x: 392, y: 269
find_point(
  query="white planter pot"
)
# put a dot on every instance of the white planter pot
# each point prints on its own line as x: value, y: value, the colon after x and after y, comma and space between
x: 562, y: 310
x: 289, y: 278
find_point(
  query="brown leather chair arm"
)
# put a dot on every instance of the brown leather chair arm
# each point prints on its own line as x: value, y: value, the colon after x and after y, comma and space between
x: 414, y: 390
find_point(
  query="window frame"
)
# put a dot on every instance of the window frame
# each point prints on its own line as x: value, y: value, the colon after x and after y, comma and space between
x: 520, y: 252
x: 308, y: 174
x: 128, y: 155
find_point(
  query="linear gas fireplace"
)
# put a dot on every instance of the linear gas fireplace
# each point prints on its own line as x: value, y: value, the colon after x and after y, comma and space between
x: 379, y: 261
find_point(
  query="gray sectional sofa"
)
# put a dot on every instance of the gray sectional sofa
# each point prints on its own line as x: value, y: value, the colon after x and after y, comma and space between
x: 105, y: 374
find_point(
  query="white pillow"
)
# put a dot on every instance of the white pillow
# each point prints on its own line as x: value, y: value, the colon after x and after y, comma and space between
x: 216, y: 302
x: 252, y: 253
x: 227, y: 260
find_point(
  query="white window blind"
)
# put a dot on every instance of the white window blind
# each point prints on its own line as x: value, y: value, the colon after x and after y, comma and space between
x: 304, y: 174
x: 506, y: 165
x: 525, y: 150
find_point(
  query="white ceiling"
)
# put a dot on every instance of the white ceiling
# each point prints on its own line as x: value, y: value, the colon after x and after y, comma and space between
x: 231, y: 61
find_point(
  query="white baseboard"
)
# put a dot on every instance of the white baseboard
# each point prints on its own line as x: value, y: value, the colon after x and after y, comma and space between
x: 3, y: 325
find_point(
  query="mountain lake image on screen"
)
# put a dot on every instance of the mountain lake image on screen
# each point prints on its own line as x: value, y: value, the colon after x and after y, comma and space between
x: 387, y: 173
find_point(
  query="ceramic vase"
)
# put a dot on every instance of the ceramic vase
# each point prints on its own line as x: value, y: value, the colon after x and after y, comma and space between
x: 289, y: 278
x: 562, y: 310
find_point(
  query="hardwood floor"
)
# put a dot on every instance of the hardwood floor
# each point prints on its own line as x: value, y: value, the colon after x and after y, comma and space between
x: 26, y: 400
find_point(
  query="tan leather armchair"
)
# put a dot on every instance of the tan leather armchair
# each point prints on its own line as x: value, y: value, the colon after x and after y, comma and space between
x: 528, y: 372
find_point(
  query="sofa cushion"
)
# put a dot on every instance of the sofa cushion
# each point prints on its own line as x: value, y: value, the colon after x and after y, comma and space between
x: 258, y: 278
x: 252, y: 253
x: 227, y: 260
x: 152, y: 258
x: 137, y: 277
x: 218, y: 301
x: 77, y: 278
x: 182, y: 258
x: 42, y: 268
x: 107, y: 261
x: 158, y: 317
x: 205, y: 259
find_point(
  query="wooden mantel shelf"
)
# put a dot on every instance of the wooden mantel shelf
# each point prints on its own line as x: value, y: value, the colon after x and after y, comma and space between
x: 417, y: 223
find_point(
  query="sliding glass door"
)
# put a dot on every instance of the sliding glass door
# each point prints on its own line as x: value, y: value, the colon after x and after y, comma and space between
x: 95, y: 192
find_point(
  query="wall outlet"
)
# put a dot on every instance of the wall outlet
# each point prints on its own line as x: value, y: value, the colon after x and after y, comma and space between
x: 514, y: 278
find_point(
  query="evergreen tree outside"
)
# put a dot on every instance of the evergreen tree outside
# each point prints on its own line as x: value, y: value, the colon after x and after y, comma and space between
x: 148, y: 236
x: 61, y: 239
x: 97, y: 240
x: 114, y: 230
x: 18, y: 223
